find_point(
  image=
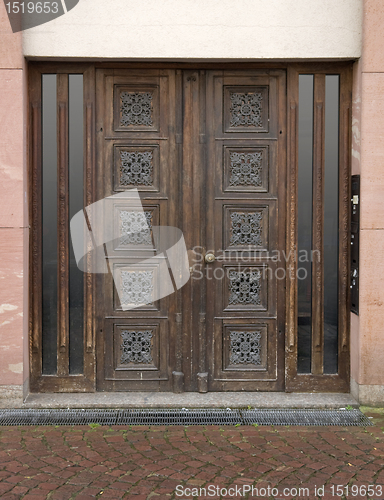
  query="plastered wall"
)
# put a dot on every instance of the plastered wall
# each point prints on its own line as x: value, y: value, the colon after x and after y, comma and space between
x: 202, y: 29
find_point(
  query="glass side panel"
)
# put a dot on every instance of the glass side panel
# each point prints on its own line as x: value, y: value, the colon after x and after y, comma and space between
x: 49, y: 226
x: 331, y: 188
x: 304, y: 221
x: 76, y: 296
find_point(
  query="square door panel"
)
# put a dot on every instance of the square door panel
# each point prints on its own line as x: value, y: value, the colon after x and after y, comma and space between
x: 136, y: 108
x: 245, y: 287
x: 136, y: 167
x: 140, y: 284
x: 246, y: 169
x: 133, y: 228
x: 246, y: 109
x: 138, y: 350
x: 246, y: 227
x: 245, y: 350
x: 245, y: 347
x: 136, y: 347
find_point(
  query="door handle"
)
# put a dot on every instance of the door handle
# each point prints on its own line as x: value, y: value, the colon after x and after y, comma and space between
x: 209, y: 258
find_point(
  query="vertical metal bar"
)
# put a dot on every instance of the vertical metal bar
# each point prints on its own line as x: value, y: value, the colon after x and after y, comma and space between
x: 317, y: 227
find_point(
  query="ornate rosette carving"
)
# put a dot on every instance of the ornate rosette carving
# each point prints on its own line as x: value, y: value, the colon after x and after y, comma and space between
x: 246, y: 109
x: 245, y: 169
x: 137, y: 287
x: 245, y: 347
x: 244, y: 287
x: 136, y: 109
x: 136, y: 346
x: 246, y: 228
x: 136, y: 168
x: 135, y: 228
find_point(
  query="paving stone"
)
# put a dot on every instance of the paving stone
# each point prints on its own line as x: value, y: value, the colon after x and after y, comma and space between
x: 144, y: 462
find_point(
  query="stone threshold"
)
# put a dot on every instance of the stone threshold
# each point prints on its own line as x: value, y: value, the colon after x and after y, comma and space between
x: 184, y: 400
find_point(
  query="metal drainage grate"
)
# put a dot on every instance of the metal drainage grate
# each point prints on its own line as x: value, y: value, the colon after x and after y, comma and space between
x: 58, y: 417
x: 352, y: 417
x: 182, y: 417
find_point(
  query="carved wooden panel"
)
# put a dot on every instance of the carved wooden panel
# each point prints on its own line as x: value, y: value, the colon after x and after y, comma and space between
x: 245, y: 347
x: 137, y: 351
x: 249, y: 348
x: 245, y: 287
x: 246, y: 169
x: 136, y: 347
x: 136, y: 108
x: 246, y: 228
x: 133, y: 227
x: 136, y: 167
x: 135, y: 286
x: 246, y: 109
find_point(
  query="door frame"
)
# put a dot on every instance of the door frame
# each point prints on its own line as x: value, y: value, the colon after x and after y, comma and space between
x: 64, y: 382
x: 317, y: 381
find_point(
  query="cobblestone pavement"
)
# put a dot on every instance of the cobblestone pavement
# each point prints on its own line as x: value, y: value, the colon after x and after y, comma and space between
x: 142, y: 462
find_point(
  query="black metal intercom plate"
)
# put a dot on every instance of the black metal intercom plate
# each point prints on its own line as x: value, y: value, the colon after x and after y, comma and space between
x: 355, y: 231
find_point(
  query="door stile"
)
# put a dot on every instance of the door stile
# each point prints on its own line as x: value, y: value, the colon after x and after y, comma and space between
x: 89, y: 193
x: 345, y: 149
x: 193, y: 215
x: 177, y: 347
x: 291, y: 228
x: 35, y: 217
x: 210, y: 206
x: 200, y: 175
x: 283, y: 216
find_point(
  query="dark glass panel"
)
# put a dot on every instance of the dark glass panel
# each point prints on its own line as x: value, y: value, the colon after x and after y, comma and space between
x: 49, y: 225
x: 305, y: 160
x: 76, y: 296
x: 331, y: 187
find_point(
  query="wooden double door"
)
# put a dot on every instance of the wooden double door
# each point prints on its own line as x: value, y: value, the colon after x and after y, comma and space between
x: 206, y: 150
